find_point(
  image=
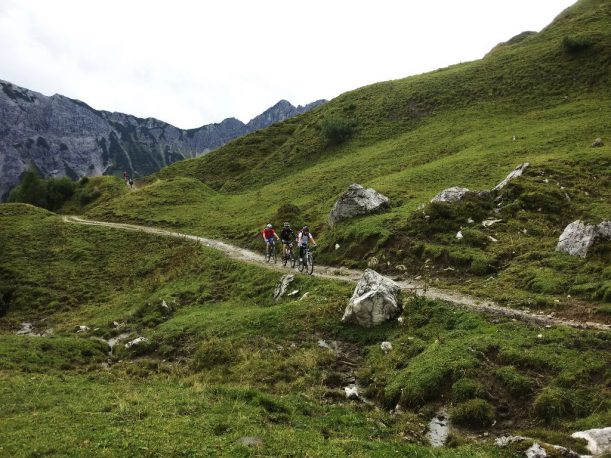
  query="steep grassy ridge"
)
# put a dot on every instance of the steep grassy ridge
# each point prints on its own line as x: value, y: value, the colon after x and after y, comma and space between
x: 224, y: 361
x: 541, y: 98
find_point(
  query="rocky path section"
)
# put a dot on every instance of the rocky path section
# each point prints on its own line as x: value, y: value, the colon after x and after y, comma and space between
x: 353, y: 275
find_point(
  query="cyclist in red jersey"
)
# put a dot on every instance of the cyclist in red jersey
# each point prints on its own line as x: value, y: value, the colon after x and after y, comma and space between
x: 268, y: 235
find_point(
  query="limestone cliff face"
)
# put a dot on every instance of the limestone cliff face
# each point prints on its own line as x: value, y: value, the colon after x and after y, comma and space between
x: 66, y: 137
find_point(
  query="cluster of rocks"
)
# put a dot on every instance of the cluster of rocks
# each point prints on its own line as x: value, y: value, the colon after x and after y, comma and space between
x: 457, y: 193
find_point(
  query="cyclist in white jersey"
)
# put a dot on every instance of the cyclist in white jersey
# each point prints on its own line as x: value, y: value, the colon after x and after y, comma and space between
x: 303, y: 238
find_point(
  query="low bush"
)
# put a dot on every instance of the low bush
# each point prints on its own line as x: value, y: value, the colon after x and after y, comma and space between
x: 336, y: 129
x: 475, y: 413
x: 465, y: 389
x: 576, y: 44
x: 516, y: 384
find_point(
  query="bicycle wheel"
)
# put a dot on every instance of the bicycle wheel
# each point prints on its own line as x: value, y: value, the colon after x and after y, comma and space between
x: 293, y: 260
x: 301, y: 265
x: 310, y: 265
x: 274, y: 254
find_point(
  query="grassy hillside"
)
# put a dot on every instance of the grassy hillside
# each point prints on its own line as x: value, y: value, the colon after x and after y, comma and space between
x: 223, y: 361
x: 541, y: 98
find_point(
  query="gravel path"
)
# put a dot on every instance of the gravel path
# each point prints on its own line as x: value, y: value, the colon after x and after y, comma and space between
x: 353, y: 275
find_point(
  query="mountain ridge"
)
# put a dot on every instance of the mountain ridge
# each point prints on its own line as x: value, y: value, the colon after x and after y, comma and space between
x: 62, y: 136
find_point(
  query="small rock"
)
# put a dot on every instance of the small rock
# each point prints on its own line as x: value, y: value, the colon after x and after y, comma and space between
x: 540, y: 336
x: 337, y: 246
x: 282, y: 286
x: 293, y: 293
x: 453, y: 194
x: 136, y: 342
x: 83, y: 329
x: 504, y: 441
x: 352, y: 392
x: 490, y: 222
x: 597, y: 143
x: 492, y: 239
x: 535, y: 451
x: 165, y: 306
x: 250, y: 441
x: 400, y: 320
x: 373, y: 262
x: 401, y: 267
x: 517, y: 172
x: 578, y: 237
x: 304, y: 296
x: 386, y: 346
x: 470, y: 221
x: 459, y: 235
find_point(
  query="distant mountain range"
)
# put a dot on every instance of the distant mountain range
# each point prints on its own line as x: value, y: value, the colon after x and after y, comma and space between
x: 66, y: 137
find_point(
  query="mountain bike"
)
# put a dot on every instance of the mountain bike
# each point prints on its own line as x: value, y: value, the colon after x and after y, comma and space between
x: 307, y: 263
x: 270, y: 252
x: 289, y: 257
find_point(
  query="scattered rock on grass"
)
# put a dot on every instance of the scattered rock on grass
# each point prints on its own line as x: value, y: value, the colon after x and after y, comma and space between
x: 136, y: 342
x: 597, y: 143
x: 357, y: 201
x: 376, y: 299
x: 386, y: 347
x: 352, y: 392
x: 250, y: 441
x: 83, y: 328
x: 535, y: 451
x: 517, y: 172
x: 490, y: 222
x: 453, y: 194
x: 282, y: 286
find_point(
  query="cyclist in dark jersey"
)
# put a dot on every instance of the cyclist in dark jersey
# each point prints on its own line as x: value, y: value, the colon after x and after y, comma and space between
x: 287, y: 236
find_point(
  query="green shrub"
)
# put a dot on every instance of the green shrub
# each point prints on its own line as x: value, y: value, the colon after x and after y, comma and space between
x: 553, y: 403
x: 517, y: 384
x: 576, y: 44
x: 475, y: 238
x: 51, y: 193
x: 465, y: 389
x: 481, y: 265
x: 214, y: 352
x: 336, y: 129
x: 475, y: 412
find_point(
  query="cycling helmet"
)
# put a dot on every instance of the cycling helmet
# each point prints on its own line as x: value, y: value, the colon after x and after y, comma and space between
x: 286, y: 224
x: 269, y: 226
x: 306, y: 228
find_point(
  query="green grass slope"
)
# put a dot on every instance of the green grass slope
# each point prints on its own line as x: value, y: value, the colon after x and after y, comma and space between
x: 224, y: 361
x: 541, y: 98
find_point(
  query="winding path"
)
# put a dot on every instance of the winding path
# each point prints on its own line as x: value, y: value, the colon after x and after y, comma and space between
x: 353, y: 275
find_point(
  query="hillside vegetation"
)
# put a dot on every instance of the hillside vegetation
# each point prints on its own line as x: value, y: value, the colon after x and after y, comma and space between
x: 539, y: 97
x: 223, y: 361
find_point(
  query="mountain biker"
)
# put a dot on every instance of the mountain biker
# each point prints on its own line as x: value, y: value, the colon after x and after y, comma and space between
x: 268, y: 235
x: 302, y: 240
x: 287, y: 236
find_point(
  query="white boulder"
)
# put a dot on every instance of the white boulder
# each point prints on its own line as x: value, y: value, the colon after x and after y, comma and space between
x: 376, y: 299
x: 357, y: 201
x: 578, y: 237
x: 599, y: 440
x: 136, y: 342
x: 386, y: 346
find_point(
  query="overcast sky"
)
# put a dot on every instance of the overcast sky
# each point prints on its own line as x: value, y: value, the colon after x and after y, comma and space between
x: 191, y: 63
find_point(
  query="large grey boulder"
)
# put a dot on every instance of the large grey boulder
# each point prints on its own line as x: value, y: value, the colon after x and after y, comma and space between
x: 453, y: 194
x: 357, y: 201
x: 515, y: 173
x: 375, y: 299
x: 282, y: 286
x: 599, y: 440
x: 578, y: 237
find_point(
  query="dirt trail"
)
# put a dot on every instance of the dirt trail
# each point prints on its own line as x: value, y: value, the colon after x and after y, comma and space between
x: 353, y: 275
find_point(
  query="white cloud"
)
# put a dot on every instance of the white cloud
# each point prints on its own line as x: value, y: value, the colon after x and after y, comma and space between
x: 191, y: 62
